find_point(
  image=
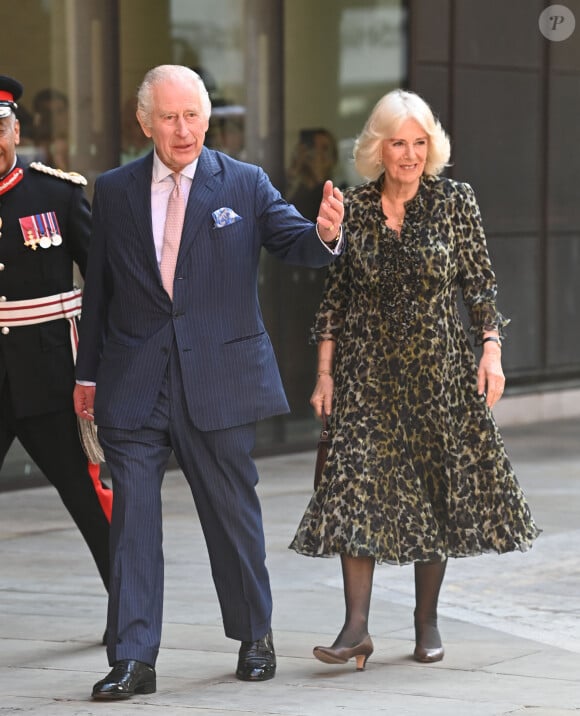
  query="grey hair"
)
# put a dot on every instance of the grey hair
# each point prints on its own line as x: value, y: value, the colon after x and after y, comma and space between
x: 168, y: 73
x: 388, y: 115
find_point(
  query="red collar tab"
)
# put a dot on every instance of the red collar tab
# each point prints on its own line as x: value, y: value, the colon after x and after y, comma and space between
x: 11, y: 180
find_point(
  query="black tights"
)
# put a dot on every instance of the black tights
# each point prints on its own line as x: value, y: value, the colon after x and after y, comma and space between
x: 357, y: 575
x: 428, y: 580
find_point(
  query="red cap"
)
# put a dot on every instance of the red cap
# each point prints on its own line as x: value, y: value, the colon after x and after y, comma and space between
x: 10, y: 91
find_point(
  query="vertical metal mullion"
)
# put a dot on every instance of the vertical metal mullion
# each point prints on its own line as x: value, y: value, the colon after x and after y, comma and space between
x: 265, y: 85
x: 544, y: 286
x: 265, y: 78
x: 92, y: 28
x: 452, y: 74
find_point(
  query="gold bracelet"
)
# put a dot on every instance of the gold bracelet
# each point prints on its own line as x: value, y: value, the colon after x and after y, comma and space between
x: 323, y: 372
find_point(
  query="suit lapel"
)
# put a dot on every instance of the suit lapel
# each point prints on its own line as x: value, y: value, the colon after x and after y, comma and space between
x: 139, y: 196
x: 199, y: 205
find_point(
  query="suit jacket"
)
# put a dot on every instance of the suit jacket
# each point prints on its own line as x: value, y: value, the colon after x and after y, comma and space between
x: 129, y: 324
x: 37, y: 360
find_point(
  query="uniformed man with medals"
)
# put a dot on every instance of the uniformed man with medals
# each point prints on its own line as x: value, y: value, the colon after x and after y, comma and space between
x: 44, y: 228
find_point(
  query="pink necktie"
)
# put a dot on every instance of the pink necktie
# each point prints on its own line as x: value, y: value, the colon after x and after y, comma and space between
x: 172, y: 235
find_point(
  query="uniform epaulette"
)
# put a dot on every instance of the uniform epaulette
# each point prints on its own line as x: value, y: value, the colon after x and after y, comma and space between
x: 75, y: 177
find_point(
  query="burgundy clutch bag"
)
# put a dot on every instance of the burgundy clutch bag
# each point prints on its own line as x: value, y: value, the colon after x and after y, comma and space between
x: 322, y: 452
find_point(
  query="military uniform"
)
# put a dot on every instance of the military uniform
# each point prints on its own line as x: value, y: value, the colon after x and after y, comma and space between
x: 45, y: 226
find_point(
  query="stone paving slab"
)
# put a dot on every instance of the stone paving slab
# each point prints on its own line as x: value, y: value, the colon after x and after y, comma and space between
x: 510, y: 624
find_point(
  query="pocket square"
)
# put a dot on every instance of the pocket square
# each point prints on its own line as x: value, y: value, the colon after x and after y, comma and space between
x: 224, y: 217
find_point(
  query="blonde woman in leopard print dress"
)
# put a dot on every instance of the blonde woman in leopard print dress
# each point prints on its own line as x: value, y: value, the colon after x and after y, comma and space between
x: 417, y: 471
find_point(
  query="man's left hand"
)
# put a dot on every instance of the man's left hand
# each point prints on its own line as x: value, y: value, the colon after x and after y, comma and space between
x: 84, y: 400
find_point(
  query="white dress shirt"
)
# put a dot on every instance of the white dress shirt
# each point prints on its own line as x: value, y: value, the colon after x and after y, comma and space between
x: 161, y: 187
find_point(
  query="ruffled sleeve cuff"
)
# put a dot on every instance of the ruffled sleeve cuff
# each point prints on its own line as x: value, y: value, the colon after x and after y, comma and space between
x: 326, y: 328
x: 485, y: 317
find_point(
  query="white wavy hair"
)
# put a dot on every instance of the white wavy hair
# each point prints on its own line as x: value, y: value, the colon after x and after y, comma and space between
x: 168, y: 73
x: 388, y: 115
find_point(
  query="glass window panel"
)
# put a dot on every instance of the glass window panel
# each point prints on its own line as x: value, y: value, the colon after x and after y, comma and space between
x: 43, y: 70
x: 331, y: 83
x: 276, y: 79
x: 42, y: 67
x: 208, y: 36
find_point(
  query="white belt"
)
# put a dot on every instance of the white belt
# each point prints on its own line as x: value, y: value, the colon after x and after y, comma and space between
x: 42, y: 310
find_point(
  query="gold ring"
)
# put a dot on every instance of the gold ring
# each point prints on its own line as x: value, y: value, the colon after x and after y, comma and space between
x: 331, y: 227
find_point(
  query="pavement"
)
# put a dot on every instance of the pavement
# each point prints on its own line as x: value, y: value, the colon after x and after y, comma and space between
x: 510, y: 624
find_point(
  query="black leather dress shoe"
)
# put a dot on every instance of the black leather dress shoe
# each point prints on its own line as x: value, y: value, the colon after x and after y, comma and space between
x: 257, y: 660
x: 127, y: 678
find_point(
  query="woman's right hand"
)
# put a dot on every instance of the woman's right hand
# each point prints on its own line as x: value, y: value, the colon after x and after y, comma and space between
x: 322, y: 395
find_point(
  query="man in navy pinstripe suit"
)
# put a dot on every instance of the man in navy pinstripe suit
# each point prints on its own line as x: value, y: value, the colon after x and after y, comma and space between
x: 189, y: 369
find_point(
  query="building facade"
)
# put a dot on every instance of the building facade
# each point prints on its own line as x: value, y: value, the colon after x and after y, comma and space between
x: 292, y: 82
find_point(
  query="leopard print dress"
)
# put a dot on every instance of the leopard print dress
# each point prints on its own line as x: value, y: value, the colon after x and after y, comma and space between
x: 417, y: 470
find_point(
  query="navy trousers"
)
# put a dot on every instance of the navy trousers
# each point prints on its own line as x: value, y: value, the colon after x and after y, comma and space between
x: 222, y: 476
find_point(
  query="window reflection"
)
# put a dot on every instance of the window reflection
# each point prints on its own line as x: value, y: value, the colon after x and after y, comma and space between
x: 329, y: 92
x: 209, y: 38
x: 134, y: 143
x: 50, y: 126
x: 328, y: 86
x: 44, y: 128
x: 227, y: 129
x: 313, y: 161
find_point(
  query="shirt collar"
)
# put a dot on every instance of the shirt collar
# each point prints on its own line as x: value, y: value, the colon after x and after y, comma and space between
x: 161, y: 172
